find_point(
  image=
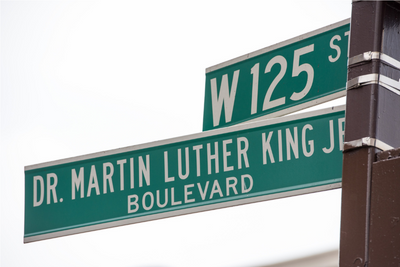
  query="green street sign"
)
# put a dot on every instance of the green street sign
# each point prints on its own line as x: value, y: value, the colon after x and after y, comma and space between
x: 226, y: 167
x: 277, y: 80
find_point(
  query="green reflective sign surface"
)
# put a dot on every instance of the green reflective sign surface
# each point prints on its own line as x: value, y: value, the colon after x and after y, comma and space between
x: 277, y: 80
x: 214, y: 169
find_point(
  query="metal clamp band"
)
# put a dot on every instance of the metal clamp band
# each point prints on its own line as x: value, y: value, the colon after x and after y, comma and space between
x: 368, y: 56
x: 366, y: 141
x: 390, y: 84
x: 362, y: 80
x: 375, y: 78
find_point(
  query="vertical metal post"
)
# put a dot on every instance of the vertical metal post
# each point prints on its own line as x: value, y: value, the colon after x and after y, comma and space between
x: 372, y: 121
x: 384, y: 236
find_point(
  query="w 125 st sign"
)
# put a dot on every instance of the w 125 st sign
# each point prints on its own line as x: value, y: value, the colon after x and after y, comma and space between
x: 277, y: 80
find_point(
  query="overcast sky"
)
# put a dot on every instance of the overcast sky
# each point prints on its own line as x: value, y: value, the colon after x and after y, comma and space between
x: 88, y: 76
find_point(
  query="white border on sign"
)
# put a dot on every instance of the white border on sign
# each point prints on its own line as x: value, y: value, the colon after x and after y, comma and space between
x: 234, y: 128
x: 276, y: 46
x: 181, y: 212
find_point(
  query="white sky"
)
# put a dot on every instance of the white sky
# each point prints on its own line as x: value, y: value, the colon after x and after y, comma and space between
x: 83, y: 77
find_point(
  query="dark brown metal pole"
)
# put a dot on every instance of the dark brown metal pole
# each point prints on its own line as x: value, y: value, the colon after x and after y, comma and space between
x: 372, y: 125
x: 384, y: 236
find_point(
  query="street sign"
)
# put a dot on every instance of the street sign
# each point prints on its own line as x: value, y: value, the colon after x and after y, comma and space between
x: 280, y: 79
x: 226, y: 167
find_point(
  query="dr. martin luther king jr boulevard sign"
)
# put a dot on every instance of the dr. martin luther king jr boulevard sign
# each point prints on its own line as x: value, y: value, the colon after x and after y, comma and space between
x: 214, y: 169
